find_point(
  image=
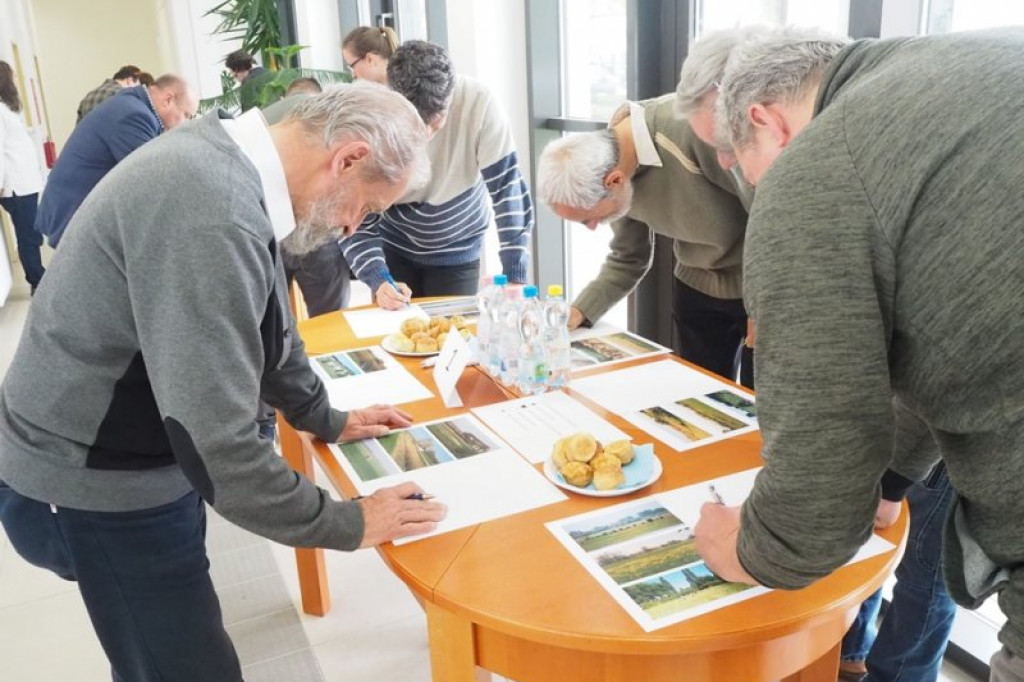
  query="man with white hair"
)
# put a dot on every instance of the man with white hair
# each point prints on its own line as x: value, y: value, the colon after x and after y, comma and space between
x: 132, y: 397
x: 649, y: 174
x: 883, y: 267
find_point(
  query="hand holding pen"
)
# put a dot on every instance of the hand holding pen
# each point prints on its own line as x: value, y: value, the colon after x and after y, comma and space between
x: 392, y: 513
x: 392, y: 295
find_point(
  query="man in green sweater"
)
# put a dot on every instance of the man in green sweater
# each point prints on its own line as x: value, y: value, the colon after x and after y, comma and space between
x: 649, y: 174
x: 883, y: 264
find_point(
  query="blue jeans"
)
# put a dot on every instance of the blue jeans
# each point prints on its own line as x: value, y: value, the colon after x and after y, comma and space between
x: 22, y: 210
x: 145, y: 581
x: 913, y: 635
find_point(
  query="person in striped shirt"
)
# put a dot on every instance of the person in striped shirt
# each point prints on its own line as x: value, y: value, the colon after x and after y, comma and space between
x: 430, y: 241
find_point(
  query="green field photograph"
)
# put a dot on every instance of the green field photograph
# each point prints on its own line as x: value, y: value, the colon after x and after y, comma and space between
x: 691, y: 433
x: 634, y: 345
x: 462, y: 437
x: 599, y: 350
x: 620, y: 524
x: 413, y: 449
x: 690, y: 586
x: 714, y: 420
x: 653, y: 554
x: 735, y: 403
x: 337, y: 366
x: 367, y: 360
x: 365, y: 460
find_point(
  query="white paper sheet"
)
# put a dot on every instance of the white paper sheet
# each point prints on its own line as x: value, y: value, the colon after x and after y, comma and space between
x: 364, y: 376
x: 605, y: 344
x: 379, y: 322
x: 642, y: 552
x: 681, y: 407
x: 532, y: 425
x: 458, y: 461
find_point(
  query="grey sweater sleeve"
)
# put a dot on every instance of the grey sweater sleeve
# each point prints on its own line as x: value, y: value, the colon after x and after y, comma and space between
x: 629, y: 258
x: 819, y: 284
x: 200, y: 340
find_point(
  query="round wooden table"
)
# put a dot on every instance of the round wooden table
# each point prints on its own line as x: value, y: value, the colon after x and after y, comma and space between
x: 506, y: 596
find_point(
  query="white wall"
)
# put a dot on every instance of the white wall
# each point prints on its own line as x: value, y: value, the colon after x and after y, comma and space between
x: 197, y: 54
x: 82, y: 43
x: 318, y: 27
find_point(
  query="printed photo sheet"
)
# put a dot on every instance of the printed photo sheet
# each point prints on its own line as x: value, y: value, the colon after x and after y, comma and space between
x: 366, y: 376
x: 605, y: 344
x: 643, y: 552
x: 458, y: 461
x: 380, y: 322
x: 679, y: 406
x: 532, y: 425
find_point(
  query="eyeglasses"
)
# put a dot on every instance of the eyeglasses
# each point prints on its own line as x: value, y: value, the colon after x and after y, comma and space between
x: 349, y: 67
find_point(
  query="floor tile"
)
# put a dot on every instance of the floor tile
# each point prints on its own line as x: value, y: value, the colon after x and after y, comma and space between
x: 254, y: 598
x: 241, y: 565
x: 300, y: 666
x: 21, y: 582
x: 396, y: 652
x: 258, y: 640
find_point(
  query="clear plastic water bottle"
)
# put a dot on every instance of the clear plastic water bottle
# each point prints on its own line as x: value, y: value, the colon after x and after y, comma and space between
x: 505, y: 340
x: 487, y: 301
x: 533, y: 366
x: 556, y: 337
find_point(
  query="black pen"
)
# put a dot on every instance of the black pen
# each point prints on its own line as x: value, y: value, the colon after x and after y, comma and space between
x: 422, y: 497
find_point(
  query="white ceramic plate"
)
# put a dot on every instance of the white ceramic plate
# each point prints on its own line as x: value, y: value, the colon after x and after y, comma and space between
x: 386, y: 345
x: 551, y: 472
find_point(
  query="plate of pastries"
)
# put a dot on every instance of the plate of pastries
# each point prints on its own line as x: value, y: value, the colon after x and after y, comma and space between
x: 421, y: 336
x: 581, y: 464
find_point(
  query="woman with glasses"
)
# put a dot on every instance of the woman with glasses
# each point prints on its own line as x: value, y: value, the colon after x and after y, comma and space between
x: 366, y: 51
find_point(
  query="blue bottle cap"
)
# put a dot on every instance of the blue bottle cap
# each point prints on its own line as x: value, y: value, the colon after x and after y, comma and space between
x: 501, y: 280
x: 529, y: 291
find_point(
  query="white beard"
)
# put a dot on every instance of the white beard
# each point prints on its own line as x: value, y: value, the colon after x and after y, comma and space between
x: 312, y: 231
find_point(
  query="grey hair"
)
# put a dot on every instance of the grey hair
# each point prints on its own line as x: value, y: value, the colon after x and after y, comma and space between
x: 424, y: 73
x: 371, y: 113
x: 704, y: 66
x: 781, y: 67
x: 571, y: 169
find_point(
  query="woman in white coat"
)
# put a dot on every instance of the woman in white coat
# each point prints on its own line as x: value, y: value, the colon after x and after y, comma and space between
x: 20, y: 179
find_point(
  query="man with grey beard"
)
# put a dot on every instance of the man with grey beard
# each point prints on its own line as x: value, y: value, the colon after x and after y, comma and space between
x: 131, y: 398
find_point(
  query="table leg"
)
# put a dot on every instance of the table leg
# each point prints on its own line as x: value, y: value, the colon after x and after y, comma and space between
x: 825, y: 669
x: 311, y: 564
x: 452, y: 648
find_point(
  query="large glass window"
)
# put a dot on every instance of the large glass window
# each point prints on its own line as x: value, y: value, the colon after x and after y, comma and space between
x: 714, y: 15
x: 943, y: 16
x: 594, y: 85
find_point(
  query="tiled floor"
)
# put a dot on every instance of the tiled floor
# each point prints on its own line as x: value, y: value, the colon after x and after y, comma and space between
x: 376, y: 631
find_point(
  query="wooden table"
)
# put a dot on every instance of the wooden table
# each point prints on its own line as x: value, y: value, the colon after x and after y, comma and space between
x: 506, y: 596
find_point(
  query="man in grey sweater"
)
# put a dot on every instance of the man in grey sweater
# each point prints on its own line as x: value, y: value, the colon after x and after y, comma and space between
x: 133, y: 392
x: 883, y: 264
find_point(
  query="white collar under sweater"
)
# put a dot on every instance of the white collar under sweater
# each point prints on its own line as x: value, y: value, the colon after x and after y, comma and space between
x: 249, y: 131
x: 646, y: 152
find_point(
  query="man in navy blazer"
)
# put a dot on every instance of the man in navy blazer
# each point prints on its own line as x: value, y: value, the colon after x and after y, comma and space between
x: 107, y: 134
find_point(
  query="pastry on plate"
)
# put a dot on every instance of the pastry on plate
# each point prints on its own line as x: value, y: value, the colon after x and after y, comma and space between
x: 426, y: 345
x: 401, y: 343
x: 622, y: 449
x: 413, y: 325
x: 578, y: 474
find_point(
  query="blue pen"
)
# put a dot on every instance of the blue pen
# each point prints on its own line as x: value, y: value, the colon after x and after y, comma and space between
x: 391, y: 281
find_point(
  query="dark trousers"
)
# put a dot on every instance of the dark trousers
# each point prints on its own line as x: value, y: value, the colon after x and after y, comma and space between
x: 22, y: 210
x: 434, y: 280
x: 709, y: 331
x: 323, y: 277
x: 145, y: 580
x: 909, y: 645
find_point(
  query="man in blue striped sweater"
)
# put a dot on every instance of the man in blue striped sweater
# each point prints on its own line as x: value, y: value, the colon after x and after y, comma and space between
x: 429, y: 242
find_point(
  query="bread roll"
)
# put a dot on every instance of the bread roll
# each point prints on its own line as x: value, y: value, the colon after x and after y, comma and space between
x: 560, y: 453
x: 577, y: 474
x: 622, y: 449
x: 427, y: 345
x: 441, y: 339
x: 605, y: 461
x: 458, y: 321
x: 413, y: 325
x: 442, y: 324
x: 608, y: 478
x: 581, y: 447
x: 420, y: 336
x: 401, y: 343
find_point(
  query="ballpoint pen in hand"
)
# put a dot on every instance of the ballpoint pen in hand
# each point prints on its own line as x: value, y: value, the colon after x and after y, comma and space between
x: 394, y: 285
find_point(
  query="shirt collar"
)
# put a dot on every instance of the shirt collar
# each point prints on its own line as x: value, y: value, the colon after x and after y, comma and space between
x: 249, y: 131
x: 646, y: 152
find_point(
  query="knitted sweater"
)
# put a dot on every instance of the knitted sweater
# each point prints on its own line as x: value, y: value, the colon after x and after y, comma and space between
x: 884, y: 261
x: 443, y: 222
x: 689, y: 198
x: 150, y: 342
